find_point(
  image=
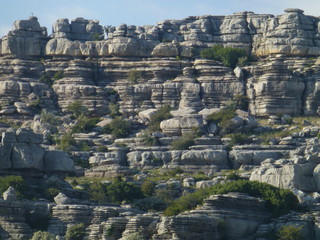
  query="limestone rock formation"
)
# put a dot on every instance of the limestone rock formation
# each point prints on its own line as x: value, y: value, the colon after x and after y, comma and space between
x: 10, y: 194
x: 21, y: 150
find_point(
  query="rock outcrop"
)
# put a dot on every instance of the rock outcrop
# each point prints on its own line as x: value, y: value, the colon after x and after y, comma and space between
x: 21, y: 150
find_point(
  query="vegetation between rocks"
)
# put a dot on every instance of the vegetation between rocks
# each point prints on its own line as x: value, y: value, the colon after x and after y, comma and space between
x: 279, y: 201
x: 229, y: 56
x: 76, y: 232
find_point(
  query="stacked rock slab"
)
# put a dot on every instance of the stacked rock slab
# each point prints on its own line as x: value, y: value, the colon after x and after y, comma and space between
x: 167, y: 48
x: 20, y: 150
x: 273, y: 88
x: 227, y: 216
x: 27, y: 39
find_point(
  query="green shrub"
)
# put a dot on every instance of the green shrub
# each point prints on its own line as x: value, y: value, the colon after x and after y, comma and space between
x: 278, y: 201
x: 17, y: 182
x: 120, y: 191
x: 134, y: 76
x: 36, y: 105
x: 50, y: 118
x: 290, y: 232
x: 41, y: 235
x: 222, y: 119
x: 149, y: 140
x: 134, y: 236
x: 96, y: 37
x: 109, y: 231
x: 150, y: 204
x: 84, y: 163
x: 238, y: 138
x: 233, y: 175
x: 102, y: 149
x: 51, y: 193
x: 148, y: 188
x: 77, y: 109
x: 65, y: 142
x: 240, y: 102
x: 227, y: 55
x: 185, y: 141
x: 163, y: 113
x: 46, y: 79
x: 114, y: 110
x: 222, y: 116
x: 118, y: 128
x: 76, y: 232
x: 84, y: 124
x: 98, y: 193
x: 58, y: 75
x: 243, y: 61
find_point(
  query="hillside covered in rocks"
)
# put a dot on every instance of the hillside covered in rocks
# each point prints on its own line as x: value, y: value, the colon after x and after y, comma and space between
x: 136, y: 132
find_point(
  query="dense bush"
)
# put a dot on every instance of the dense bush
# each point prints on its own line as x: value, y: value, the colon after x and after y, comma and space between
x: 149, y: 140
x: 120, y: 191
x: 77, y: 109
x: 118, y: 128
x: 98, y: 192
x: 41, y: 235
x: 102, y: 148
x: 222, y: 119
x: 279, y: 201
x: 58, y: 75
x: 185, y: 141
x: 84, y: 124
x: 227, y: 55
x: 290, y: 232
x: 65, y: 142
x: 238, y: 138
x: 17, y: 182
x: 134, y: 236
x: 46, y: 79
x: 163, y: 113
x: 36, y: 105
x: 148, y: 188
x: 233, y: 175
x: 114, y: 110
x: 76, y: 232
x: 50, y: 118
x: 81, y: 162
x: 150, y: 204
x: 240, y: 102
x: 134, y: 76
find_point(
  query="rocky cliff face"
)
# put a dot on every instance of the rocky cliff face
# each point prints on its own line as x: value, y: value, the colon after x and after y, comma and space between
x: 159, y: 53
x: 142, y: 69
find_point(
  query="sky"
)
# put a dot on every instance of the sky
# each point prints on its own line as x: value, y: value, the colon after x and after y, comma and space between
x: 139, y: 12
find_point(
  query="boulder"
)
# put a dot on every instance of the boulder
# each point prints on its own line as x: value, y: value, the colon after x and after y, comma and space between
x: 28, y: 136
x: 10, y: 194
x: 62, y: 199
x: 57, y: 161
x: 27, y: 156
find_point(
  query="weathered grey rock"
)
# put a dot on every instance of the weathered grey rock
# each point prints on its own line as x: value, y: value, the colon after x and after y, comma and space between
x: 237, y: 213
x: 27, y: 39
x: 254, y: 155
x: 10, y: 194
x: 288, y: 176
x: 28, y: 136
x: 62, y: 199
x: 57, y: 161
x: 27, y: 156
